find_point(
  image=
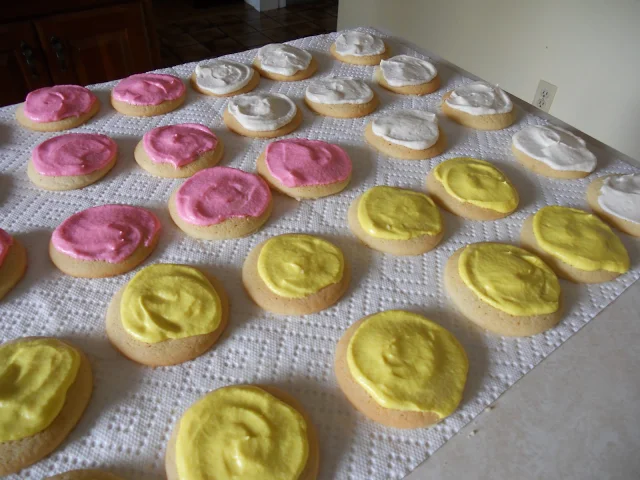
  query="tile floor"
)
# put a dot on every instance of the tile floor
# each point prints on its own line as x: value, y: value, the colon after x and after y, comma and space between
x: 188, y: 34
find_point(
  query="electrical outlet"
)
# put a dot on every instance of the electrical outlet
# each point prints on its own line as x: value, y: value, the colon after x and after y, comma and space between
x: 544, y: 95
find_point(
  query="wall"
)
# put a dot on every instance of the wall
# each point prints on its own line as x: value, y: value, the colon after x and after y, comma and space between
x: 589, y: 49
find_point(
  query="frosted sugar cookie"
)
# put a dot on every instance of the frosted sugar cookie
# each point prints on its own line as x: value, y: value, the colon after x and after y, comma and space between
x: 221, y: 202
x: 472, y: 188
x: 359, y: 48
x: 616, y: 199
x: 262, y: 115
x: 504, y: 289
x: 224, y: 78
x: 148, y: 94
x: 553, y: 152
x: 72, y: 161
x: 57, y: 108
x: 284, y: 63
x: 104, y: 241
x: 13, y: 262
x: 178, y: 151
x: 282, y: 444
x: 479, y: 105
x: 577, y: 245
x: 396, y: 221
x: 45, y: 388
x: 406, y: 134
x: 167, y: 314
x: 85, y: 475
x: 422, y: 383
x: 407, y: 75
x: 305, y: 168
x: 295, y: 274
x: 340, y: 97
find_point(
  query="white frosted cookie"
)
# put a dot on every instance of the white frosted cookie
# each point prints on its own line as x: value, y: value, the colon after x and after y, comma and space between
x: 407, y: 75
x: 406, y: 134
x: 479, y: 105
x: 553, y: 152
x: 284, y: 63
x: 616, y: 199
x: 224, y: 78
x: 340, y: 97
x: 264, y: 115
x: 359, y: 48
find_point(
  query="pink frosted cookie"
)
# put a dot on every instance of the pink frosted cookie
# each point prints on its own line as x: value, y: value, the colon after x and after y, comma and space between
x: 178, y: 151
x: 221, y: 202
x: 72, y: 161
x: 61, y: 107
x: 13, y: 262
x: 148, y: 94
x: 104, y: 241
x: 305, y: 168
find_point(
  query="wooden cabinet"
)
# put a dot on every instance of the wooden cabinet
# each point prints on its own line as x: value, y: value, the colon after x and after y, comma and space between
x: 78, y: 47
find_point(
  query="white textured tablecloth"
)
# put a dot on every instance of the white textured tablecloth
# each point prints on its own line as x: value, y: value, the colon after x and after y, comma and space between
x: 127, y: 424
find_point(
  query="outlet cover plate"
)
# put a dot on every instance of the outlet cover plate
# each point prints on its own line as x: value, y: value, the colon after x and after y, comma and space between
x: 544, y: 95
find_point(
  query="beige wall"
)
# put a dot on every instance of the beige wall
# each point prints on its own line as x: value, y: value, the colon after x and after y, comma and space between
x: 589, y: 49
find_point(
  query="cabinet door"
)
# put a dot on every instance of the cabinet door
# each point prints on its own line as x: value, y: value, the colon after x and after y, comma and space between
x: 96, y: 45
x: 22, y: 67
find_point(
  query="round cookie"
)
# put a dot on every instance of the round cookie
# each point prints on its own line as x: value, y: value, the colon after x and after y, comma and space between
x: 303, y: 168
x: 262, y: 115
x: 26, y: 450
x: 553, y: 152
x: 13, y: 262
x: 85, y: 475
x: 396, y: 221
x: 57, y: 108
x: 284, y: 63
x: 104, y: 241
x: 148, y: 94
x: 295, y: 274
x: 616, y: 199
x: 407, y: 75
x: 534, y: 305
x: 407, y: 135
x: 157, y: 334
x: 391, y: 401
x: 263, y: 394
x: 221, y: 203
x: 479, y: 105
x: 340, y: 97
x: 359, y: 48
x: 224, y: 78
x: 473, y: 189
x: 577, y: 245
x: 178, y: 151
x: 72, y: 161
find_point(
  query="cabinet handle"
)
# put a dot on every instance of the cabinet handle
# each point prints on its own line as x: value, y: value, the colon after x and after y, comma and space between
x: 58, y: 49
x: 29, y: 58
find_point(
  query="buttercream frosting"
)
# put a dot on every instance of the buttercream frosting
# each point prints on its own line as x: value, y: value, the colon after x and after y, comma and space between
x: 51, y: 104
x: 334, y: 91
x: 109, y: 233
x: 298, y: 162
x: 555, y: 147
x: 73, y: 154
x: 6, y: 241
x: 404, y: 70
x: 260, y: 112
x: 620, y: 196
x: 221, y: 77
x: 283, y: 59
x: 148, y: 89
x: 359, y: 44
x: 480, y: 98
x: 178, y: 145
x: 414, y: 129
x: 216, y: 194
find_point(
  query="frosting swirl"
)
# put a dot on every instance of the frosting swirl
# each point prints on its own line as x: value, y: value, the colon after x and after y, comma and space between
x: 283, y: 59
x: 148, y: 89
x: 223, y: 76
x: 51, y: 104
x: 73, y: 154
x: 109, y: 233
x: 216, y: 194
x: 359, y: 44
x: 333, y: 91
x: 6, y: 241
x: 404, y: 70
x: 261, y: 112
x: 180, y: 144
x: 480, y: 98
x: 414, y: 129
x: 620, y: 196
